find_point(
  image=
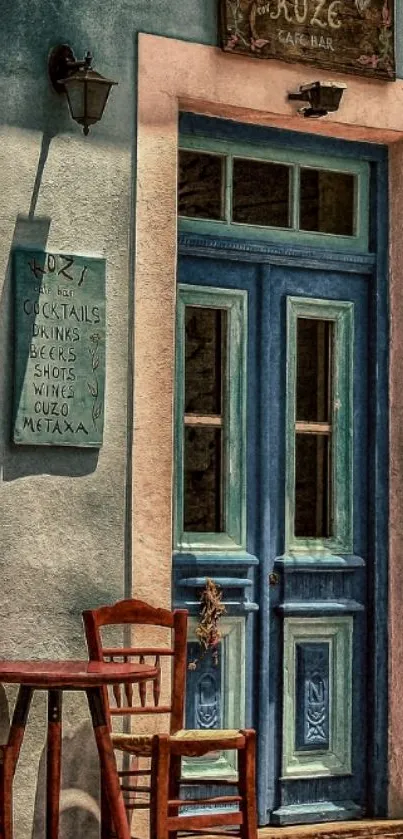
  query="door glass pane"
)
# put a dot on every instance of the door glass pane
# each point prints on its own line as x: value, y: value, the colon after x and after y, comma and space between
x: 314, y: 369
x: 327, y: 202
x: 312, y: 485
x: 202, y: 507
x: 260, y: 193
x: 204, y: 359
x: 200, y: 185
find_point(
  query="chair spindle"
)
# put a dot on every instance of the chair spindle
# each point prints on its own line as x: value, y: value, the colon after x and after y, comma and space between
x: 143, y: 687
x: 157, y: 682
x: 128, y: 687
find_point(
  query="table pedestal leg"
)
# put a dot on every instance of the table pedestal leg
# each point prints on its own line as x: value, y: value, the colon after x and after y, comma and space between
x: 53, y: 763
x: 9, y: 754
x: 6, y: 794
x: 109, y: 775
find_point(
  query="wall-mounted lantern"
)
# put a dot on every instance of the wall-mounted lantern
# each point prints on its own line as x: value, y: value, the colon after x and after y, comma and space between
x: 86, y: 90
x: 323, y: 98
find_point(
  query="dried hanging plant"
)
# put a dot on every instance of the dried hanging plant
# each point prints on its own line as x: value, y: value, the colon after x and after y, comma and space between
x: 207, y: 632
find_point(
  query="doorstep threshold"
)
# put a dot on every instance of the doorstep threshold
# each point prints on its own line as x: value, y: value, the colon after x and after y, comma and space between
x: 357, y: 829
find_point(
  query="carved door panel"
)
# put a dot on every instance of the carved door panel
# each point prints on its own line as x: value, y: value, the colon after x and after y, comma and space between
x: 294, y: 573
x: 203, y: 692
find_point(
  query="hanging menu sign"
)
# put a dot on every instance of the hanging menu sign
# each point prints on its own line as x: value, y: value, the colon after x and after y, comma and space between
x: 349, y: 36
x: 59, y: 370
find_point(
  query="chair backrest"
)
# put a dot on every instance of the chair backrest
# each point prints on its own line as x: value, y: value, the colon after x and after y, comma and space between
x: 132, y: 699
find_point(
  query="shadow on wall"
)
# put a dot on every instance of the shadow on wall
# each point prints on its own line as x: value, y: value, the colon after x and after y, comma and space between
x: 79, y: 799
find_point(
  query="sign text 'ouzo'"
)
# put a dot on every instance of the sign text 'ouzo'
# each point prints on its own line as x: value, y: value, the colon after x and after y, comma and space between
x: 59, y: 372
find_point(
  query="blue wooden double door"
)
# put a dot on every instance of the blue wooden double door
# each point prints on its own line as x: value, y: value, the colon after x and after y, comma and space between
x: 276, y: 456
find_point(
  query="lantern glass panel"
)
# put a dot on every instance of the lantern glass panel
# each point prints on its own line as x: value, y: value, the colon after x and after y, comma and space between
x: 97, y: 95
x: 75, y: 95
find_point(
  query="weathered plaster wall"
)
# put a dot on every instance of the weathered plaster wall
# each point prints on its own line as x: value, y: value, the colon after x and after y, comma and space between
x: 62, y: 542
x: 396, y: 490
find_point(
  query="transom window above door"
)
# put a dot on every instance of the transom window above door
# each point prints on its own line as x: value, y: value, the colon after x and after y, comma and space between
x: 256, y: 192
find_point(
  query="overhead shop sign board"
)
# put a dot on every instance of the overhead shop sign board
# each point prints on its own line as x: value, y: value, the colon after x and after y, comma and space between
x: 348, y: 36
x: 59, y: 349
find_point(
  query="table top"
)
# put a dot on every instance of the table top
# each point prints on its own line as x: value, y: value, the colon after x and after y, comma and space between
x: 73, y: 674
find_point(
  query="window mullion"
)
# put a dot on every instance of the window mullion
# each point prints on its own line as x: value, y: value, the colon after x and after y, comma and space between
x: 295, y: 198
x: 228, y: 189
x: 313, y: 427
x: 211, y: 420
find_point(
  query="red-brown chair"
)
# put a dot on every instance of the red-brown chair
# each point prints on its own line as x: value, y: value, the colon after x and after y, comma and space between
x: 126, y: 701
x: 166, y: 815
x: 167, y: 750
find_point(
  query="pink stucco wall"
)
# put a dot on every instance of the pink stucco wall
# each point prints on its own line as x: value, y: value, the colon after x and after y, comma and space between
x: 175, y: 75
x: 396, y: 485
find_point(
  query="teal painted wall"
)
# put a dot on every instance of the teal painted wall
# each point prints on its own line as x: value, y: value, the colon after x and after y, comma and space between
x: 109, y: 30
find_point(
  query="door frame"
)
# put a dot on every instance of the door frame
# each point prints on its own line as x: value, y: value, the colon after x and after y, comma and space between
x: 205, y: 247
x: 376, y: 266
x: 251, y: 92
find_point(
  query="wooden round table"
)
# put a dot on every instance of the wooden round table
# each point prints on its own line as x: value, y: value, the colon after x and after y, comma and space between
x: 55, y: 677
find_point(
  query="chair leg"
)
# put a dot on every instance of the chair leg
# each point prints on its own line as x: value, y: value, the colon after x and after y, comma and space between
x: 160, y: 761
x: 247, y: 786
x: 8, y: 759
x: 174, y: 787
x: 6, y: 794
x: 106, y: 819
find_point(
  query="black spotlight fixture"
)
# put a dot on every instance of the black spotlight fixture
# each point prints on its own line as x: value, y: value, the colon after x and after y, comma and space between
x: 86, y: 90
x: 323, y: 98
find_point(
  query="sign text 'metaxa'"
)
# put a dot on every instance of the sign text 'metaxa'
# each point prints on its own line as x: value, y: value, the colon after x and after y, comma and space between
x: 53, y: 426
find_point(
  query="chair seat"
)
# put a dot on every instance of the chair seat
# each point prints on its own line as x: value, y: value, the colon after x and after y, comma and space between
x: 136, y: 744
x: 207, y: 734
x: 141, y: 744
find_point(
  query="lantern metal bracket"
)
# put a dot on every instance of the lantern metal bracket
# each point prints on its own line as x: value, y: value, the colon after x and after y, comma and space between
x: 62, y: 62
x: 323, y: 98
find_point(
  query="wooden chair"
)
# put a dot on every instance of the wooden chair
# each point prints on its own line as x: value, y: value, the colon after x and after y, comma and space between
x: 124, y: 700
x: 167, y: 750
